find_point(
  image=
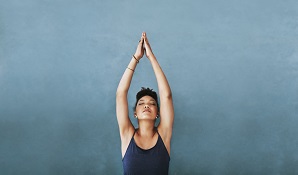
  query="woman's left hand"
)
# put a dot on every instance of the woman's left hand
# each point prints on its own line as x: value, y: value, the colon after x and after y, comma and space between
x: 147, y: 46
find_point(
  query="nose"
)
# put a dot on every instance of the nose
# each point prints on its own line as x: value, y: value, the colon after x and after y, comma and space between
x: 146, y: 106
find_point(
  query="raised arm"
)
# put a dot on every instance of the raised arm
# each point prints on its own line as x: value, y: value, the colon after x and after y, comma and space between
x: 165, y: 94
x: 125, y: 126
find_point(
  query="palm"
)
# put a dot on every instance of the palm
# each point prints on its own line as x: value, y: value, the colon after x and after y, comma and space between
x: 139, y: 52
x: 148, y: 50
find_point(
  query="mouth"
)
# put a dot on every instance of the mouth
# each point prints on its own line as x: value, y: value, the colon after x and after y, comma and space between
x: 147, y: 110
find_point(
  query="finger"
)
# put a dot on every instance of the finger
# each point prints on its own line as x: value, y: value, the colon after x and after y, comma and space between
x: 146, y: 43
x: 141, y: 42
x: 146, y: 39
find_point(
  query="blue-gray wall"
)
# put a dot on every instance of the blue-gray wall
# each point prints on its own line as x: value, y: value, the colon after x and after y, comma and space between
x: 232, y: 66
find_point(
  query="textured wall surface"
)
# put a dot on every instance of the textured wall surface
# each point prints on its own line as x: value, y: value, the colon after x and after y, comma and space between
x: 232, y: 66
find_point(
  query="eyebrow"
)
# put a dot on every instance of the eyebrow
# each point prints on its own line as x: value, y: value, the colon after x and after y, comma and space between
x: 149, y: 100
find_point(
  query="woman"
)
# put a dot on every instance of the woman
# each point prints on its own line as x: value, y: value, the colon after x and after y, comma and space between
x: 145, y: 150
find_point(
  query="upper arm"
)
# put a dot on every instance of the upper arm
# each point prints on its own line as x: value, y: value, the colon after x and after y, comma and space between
x: 125, y: 125
x: 166, y: 117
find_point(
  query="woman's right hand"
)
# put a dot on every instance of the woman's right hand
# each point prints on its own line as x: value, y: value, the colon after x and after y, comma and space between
x: 140, y: 50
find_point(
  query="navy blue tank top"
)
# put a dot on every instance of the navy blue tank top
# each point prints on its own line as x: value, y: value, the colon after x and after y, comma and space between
x: 153, y: 161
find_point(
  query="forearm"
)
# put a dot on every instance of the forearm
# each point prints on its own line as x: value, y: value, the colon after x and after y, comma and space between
x: 162, y: 82
x: 125, y: 81
x: 122, y: 111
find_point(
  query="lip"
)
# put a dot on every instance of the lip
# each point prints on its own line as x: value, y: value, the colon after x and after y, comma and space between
x: 147, y: 110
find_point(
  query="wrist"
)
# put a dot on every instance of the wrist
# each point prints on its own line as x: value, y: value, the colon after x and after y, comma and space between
x: 136, y: 58
x: 151, y: 57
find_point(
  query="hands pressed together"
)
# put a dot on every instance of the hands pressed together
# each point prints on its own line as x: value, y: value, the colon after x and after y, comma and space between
x: 143, y: 47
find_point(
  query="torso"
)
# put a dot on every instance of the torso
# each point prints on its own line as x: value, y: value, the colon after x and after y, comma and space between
x: 149, y: 157
x: 144, y: 143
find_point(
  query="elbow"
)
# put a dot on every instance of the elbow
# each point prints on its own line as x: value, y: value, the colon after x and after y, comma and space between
x: 167, y: 95
x: 121, y: 93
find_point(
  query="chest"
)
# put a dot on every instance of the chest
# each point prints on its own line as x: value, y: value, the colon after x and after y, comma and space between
x: 146, y: 142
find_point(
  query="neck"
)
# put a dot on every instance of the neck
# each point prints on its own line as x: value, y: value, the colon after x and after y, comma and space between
x: 146, y: 128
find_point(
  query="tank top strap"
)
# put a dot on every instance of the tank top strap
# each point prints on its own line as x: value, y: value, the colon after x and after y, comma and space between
x: 157, y: 131
x: 134, y: 133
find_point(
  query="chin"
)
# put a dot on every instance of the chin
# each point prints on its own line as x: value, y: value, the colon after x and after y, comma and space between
x: 148, y: 118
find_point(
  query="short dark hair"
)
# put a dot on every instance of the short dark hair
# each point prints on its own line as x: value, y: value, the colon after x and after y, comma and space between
x: 146, y: 91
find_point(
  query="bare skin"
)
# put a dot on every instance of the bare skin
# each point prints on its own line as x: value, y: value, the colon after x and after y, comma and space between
x: 146, y: 109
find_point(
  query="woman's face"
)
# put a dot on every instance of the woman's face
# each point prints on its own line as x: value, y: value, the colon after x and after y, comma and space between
x: 146, y: 108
